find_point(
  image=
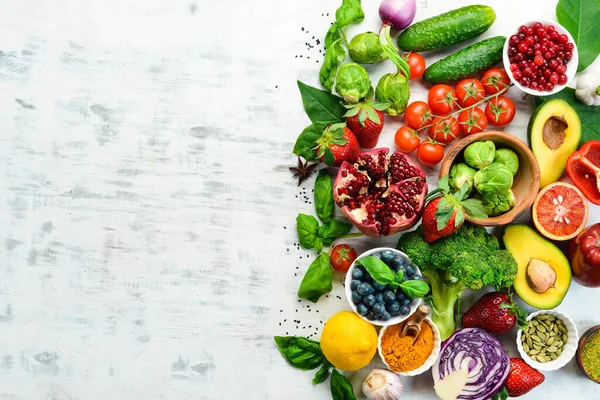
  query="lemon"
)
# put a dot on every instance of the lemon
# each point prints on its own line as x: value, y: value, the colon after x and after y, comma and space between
x: 348, y: 341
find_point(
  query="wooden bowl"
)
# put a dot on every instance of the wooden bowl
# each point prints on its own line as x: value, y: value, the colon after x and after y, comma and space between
x: 582, y: 341
x: 526, y: 182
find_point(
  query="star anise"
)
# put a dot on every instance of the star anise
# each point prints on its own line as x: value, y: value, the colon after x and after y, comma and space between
x: 303, y: 170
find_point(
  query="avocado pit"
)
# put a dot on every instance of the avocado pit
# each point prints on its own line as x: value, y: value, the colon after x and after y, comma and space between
x: 553, y: 132
x: 540, y: 275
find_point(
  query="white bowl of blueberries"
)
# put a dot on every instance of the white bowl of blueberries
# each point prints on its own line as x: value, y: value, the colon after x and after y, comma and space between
x: 375, y: 302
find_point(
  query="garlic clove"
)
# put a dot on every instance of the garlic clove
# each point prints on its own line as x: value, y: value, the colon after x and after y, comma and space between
x: 382, y: 384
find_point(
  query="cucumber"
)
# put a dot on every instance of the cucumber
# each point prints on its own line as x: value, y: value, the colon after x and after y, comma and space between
x: 467, y: 61
x: 447, y: 29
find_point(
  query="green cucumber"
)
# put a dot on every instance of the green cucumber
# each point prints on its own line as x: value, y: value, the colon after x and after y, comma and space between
x: 447, y: 29
x: 466, y: 62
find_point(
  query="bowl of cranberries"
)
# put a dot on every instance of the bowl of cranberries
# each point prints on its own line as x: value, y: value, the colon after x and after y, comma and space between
x: 541, y: 57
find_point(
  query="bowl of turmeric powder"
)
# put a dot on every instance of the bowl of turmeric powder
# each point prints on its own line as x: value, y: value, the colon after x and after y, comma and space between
x: 409, y: 355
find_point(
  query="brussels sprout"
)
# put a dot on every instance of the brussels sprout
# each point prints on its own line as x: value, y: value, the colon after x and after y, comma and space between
x: 499, y: 203
x: 508, y: 158
x: 352, y: 82
x: 365, y: 48
x: 393, y: 88
x: 493, y: 179
x: 480, y: 154
x: 459, y: 174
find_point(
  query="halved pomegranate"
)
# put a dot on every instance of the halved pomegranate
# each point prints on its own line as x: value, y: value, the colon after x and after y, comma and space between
x: 381, y: 193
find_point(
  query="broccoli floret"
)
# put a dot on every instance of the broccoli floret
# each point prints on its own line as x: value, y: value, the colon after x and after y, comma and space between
x: 468, y: 259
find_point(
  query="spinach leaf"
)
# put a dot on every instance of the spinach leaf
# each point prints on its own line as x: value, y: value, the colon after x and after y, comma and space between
x: 323, y: 373
x: 582, y: 20
x: 318, y: 279
x: 320, y: 105
x: 341, y: 388
x: 305, y: 144
x: 414, y: 289
x: 589, y: 115
x: 378, y: 270
x: 332, y: 230
x: 350, y: 12
x: 334, y: 56
x: 307, y: 226
x: 301, y: 353
x: 324, y: 196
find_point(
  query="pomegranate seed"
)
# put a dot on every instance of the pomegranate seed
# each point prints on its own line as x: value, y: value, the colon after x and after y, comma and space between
x: 563, y: 38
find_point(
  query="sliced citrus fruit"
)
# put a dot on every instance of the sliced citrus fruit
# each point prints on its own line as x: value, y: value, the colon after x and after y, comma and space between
x: 560, y: 211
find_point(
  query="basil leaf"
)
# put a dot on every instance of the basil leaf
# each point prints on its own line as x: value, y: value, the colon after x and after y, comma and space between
x: 333, y: 34
x: 378, y: 270
x: 398, y: 276
x: 341, y: 388
x: 589, y: 115
x: 334, y: 56
x: 582, y: 19
x: 350, y: 12
x: 318, y: 279
x: 305, y: 144
x: 332, y: 230
x: 414, y: 288
x: 318, y: 244
x: 324, y: 196
x: 501, y: 395
x: 307, y: 226
x: 301, y: 353
x: 321, y: 106
x: 323, y: 373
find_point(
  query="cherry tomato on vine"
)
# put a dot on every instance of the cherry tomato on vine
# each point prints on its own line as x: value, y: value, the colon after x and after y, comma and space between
x: 407, y: 139
x: 430, y: 152
x: 469, y: 92
x: 416, y: 62
x: 494, y: 80
x: 500, y: 111
x: 342, y: 256
x: 444, y: 130
x: 472, y: 121
x: 417, y: 114
x: 441, y: 99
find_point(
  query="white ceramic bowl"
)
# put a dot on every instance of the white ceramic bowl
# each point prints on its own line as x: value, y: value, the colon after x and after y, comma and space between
x: 568, y: 351
x: 394, y: 320
x: 437, y: 344
x: 571, y: 64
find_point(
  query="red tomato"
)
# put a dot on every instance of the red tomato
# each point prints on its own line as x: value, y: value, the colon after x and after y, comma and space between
x: 417, y: 115
x: 444, y: 130
x: 472, y: 121
x: 407, y: 139
x: 469, y: 92
x: 416, y: 62
x: 441, y: 99
x: 500, y: 111
x: 342, y: 256
x: 494, y: 80
x: 430, y: 152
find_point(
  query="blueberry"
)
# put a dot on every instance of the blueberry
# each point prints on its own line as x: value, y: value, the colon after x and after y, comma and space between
x: 378, y: 309
x: 393, y: 308
x: 389, y: 296
x: 379, y: 297
x: 386, y: 316
x: 402, y: 268
x: 354, y: 284
x: 380, y: 318
x: 387, y: 256
x: 362, y: 309
x: 410, y: 270
x: 367, y: 278
x: 398, y: 261
x: 357, y: 273
x: 371, y: 316
x: 405, y: 302
x: 363, y: 289
x: 400, y: 295
x: 405, y: 278
x: 376, y: 255
x: 405, y: 310
x: 416, y: 277
x: 369, y: 300
x: 379, y: 286
x: 356, y: 298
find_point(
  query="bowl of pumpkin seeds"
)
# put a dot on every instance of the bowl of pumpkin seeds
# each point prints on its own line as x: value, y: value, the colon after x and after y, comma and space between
x: 549, y: 342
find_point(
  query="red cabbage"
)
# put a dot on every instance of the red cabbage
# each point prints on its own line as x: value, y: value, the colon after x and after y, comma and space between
x: 481, y: 354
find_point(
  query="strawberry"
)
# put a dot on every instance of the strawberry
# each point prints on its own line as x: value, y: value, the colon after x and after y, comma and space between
x: 366, y: 121
x: 444, y: 215
x: 337, y: 144
x: 495, y: 312
x: 522, y: 378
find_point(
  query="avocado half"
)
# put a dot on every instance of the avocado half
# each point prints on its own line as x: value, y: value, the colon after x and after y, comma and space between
x: 530, y: 249
x: 554, y: 132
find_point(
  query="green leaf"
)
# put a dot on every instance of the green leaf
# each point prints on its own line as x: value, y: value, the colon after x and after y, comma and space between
x: 443, y: 184
x: 414, y: 288
x: 474, y: 208
x: 301, y: 353
x: 318, y: 279
x: 373, y: 115
x: 362, y: 117
x: 460, y: 218
x: 589, y: 115
x: 333, y: 34
x: 333, y: 230
x: 318, y: 244
x: 324, y: 204
x: 398, y: 276
x: 341, y: 388
x: 307, y: 226
x: 329, y: 159
x: 321, y: 106
x: 334, y: 56
x: 443, y: 214
x: 501, y: 395
x: 463, y: 192
x: 582, y: 19
x: 378, y: 270
x: 305, y: 144
x: 350, y: 12
x: 323, y: 373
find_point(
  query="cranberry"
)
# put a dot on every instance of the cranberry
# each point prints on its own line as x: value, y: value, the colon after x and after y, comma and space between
x: 529, y: 52
x: 530, y: 40
x: 530, y: 31
x: 550, y: 28
x: 512, y: 51
x: 553, y: 63
x: 528, y: 72
x: 511, y: 59
x: 548, y: 55
x: 519, y: 56
x: 561, y: 69
x: 538, y: 60
x: 523, y: 64
x: 553, y: 77
x: 521, y: 36
x: 533, y: 85
x: 545, y: 41
x: 517, y: 74
x: 568, y: 55
x: 549, y: 86
x: 542, y: 80
x: 541, y: 32
x: 525, y: 81
x: 569, y: 46
x: 537, y: 52
x: 562, y: 38
x: 523, y: 47
x: 554, y: 35
x: 537, y: 25
x: 514, y: 40
x: 562, y: 79
x: 514, y: 67
x: 537, y: 46
x: 523, y: 29
x: 547, y: 73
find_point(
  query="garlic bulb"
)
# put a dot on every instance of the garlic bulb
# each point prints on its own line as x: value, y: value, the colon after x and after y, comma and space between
x: 588, y: 89
x: 382, y: 384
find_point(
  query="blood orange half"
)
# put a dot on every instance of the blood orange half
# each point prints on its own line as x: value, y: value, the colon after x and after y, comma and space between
x: 560, y: 211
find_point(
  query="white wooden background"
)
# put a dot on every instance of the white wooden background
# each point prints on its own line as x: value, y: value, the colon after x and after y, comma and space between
x: 147, y: 214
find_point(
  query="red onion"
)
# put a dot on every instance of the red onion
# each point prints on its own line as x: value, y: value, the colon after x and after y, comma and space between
x: 398, y: 13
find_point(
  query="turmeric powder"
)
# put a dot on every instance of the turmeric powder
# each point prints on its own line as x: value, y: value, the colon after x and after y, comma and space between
x: 400, y: 354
